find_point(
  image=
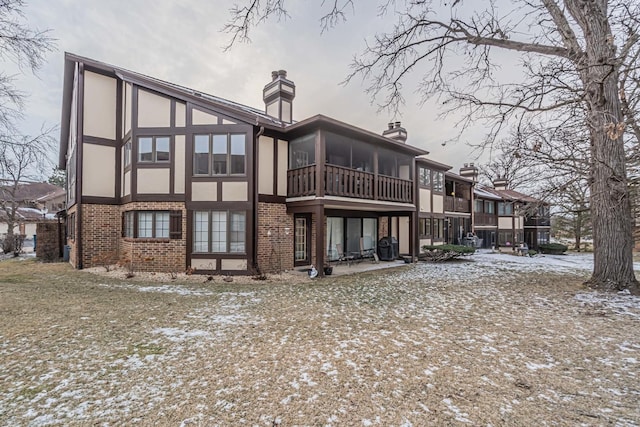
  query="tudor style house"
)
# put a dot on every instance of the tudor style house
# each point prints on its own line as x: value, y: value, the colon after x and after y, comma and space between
x: 168, y: 178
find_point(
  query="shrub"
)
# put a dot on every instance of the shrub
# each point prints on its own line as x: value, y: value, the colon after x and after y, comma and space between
x: 553, y: 248
x: 446, y: 252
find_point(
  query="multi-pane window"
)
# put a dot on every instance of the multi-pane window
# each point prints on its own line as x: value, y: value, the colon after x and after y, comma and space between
x: 438, y: 228
x: 128, y: 224
x: 127, y: 153
x: 152, y: 224
x: 505, y: 208
x: 219, y: 154
x: 478, y: 206
x: 219, y: 232
x: 71, y: 226
x: 424, y: 176
x: 424, y: 227
x: 505, y: 238
x: 438, y: 181
x: 489, y: 207
x: 153, y: 149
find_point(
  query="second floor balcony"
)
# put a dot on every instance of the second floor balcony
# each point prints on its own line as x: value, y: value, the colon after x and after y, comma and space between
x: 482, y: 218
x: 457, y: 204
x: 345, y: 182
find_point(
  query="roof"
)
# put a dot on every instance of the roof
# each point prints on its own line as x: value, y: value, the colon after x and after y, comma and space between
x: 35, y: 191
x: 485, y: 192
x: 236, y: 110
x: 306, y: 125
x: 239, y: 111
x: 516, y: 195
x: 432, y: 163
x: 29, y: 214
x: 458, y: 177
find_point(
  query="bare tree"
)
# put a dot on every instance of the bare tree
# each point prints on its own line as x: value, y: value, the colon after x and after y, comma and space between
x: 573, y: 52
x: 21, y: 160
x: 23, y: 46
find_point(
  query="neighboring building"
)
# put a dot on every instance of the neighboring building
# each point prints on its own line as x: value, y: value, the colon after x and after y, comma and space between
x: 504, y: 217
x: 171, y: 178
x: 34, y: 201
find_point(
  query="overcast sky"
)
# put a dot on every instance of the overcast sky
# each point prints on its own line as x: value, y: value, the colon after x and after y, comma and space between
x: 182, y: 42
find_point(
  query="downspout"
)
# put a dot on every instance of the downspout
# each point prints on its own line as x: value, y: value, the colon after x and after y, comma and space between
x: 79, y: 163
x: 255, y: 196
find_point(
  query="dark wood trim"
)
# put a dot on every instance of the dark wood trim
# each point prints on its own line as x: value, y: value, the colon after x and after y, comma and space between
x: 221, y: 178
x: 320, y: 161
x: 100, y: 141
x: 159, y: 165
x: 160, y: 131
x: 79, y: 156
x: 158, y: 198
x: 172, y: 158
x: 266, y: 198
x: 203, y: 129
x: 134, y: 146
x: 189, y: 236
x: 319, y: 214
x: 274, y: 141
x: 254, y: 214
x: 376, y: 178
x: 96, y: 200
x: 126, y: 199
x: 352, y: 214
x: 119, y: 126
x: 188, y: 146
x: 307, y: 217
x: 215, y: 206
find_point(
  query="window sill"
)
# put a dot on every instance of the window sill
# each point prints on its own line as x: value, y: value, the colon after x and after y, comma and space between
x: 146, y: 240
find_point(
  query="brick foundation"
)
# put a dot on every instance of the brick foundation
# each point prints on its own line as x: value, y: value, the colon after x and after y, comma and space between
x: 48, y: 242
x: 100, y: 234
x: 275, y: 243
x: 159, y: 255
x: 103, y: 243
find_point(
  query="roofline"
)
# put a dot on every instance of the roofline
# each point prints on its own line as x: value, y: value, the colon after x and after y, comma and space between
x: 433, y: 163
x: 321, y: 119
x: 233, y: 109
x: 458, y: 177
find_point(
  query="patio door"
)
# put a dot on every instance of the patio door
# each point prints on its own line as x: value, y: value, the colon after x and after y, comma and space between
x: 302, y: 240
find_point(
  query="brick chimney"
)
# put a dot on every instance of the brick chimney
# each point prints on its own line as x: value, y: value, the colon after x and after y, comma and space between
x: 500, y: 183
x: 278, y: 96
x: 469, y: 171
x: 396, y: 131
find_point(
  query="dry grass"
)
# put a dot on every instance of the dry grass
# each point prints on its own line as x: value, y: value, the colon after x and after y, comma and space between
x: 422, y: 345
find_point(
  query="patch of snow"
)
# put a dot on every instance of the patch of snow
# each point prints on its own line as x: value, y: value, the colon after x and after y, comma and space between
x: 460, y: 416
x: 177, y: 335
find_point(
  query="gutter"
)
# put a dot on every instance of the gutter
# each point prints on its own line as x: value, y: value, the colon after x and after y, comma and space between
x: 255, y: 196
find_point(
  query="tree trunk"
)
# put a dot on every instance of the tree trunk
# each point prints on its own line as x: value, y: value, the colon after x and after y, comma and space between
x: 610, y: 203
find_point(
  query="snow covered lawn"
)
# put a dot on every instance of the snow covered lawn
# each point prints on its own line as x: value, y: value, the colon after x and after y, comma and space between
x: 493, y: 340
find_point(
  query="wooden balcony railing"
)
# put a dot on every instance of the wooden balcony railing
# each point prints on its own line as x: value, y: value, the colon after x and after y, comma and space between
x: 485, y: 219
x: 537, y: 221
x: 301, y: 181
x: 457, y: 204
x: 345, y: 182
x: 340, y: 181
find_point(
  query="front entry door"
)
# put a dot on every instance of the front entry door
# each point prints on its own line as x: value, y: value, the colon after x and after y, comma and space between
x: 302, y: 240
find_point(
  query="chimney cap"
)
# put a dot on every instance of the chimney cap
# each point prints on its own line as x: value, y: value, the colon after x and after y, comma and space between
x: 274, y: 75
x: 390, y: 124
x: 398, y: 124
x: 282, y: 73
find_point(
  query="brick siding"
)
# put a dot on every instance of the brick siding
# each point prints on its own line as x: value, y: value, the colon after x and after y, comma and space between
x: 48, y: 240
x: 275, y: 250
x: 103, y: 242
x: 159, y: 255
